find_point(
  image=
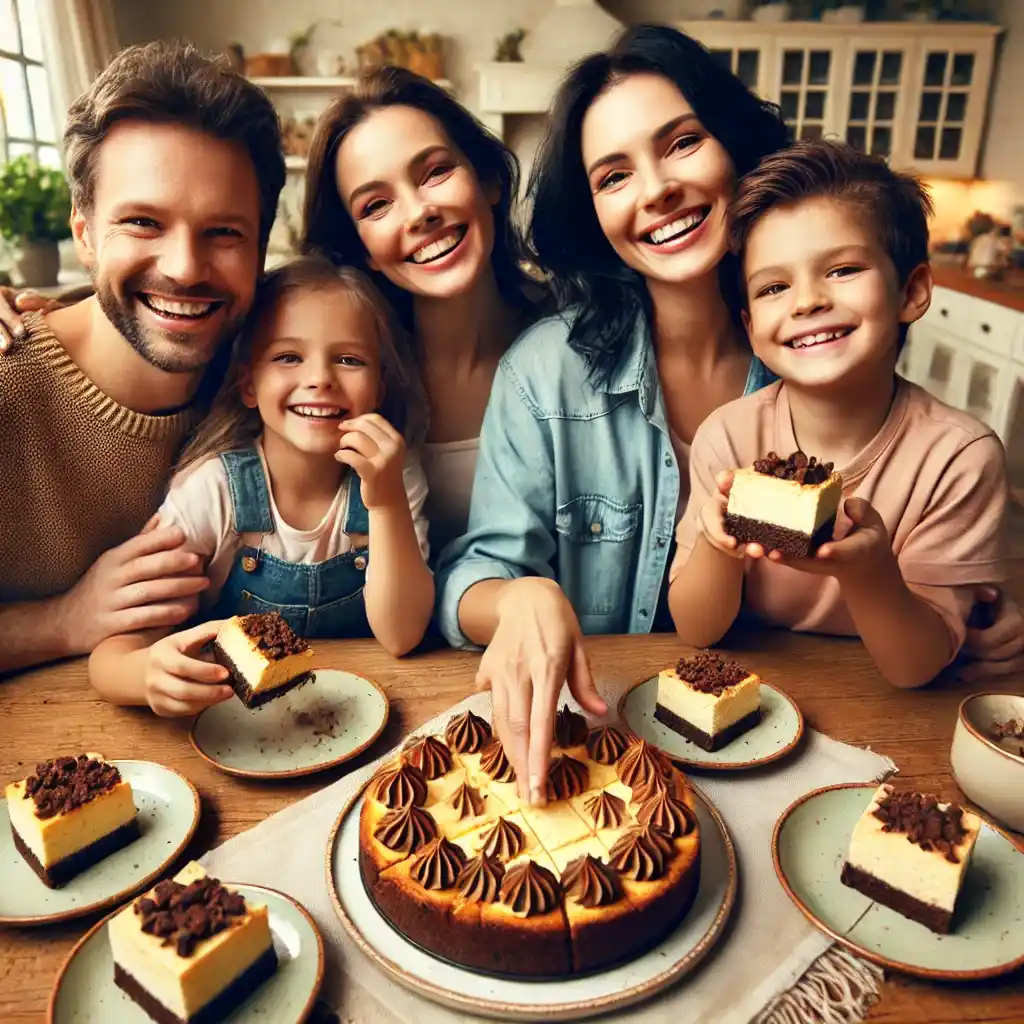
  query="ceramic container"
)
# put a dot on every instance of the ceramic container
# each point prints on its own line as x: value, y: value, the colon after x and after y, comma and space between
x: 990, y: 775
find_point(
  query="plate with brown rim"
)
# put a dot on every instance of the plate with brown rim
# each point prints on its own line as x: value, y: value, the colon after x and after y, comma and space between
x: 570, y: 998
x: 85, y: 991
x: 809, y: 845
x: 777, y: 733
x: 325, y: 722
x: 168, y: 813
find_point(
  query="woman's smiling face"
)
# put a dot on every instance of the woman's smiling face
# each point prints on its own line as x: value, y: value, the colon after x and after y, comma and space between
x: 661, y: 184
x: 422, y: 214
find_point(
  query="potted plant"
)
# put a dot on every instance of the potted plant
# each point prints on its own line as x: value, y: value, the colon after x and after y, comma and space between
x: 35, y: 210
x: 772, y: 10
x: 842, y: 12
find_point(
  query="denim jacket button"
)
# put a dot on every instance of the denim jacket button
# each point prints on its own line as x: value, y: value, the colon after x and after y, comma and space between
x: 661, y: 542
x: 359, y: 562
x: 668, y: 461
x: 643, y: 613
x: 595, y: 528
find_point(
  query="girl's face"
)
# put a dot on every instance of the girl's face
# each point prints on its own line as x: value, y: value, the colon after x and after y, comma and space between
x: 315, y: 362
x: 420, y: 210
x: 661, y: 184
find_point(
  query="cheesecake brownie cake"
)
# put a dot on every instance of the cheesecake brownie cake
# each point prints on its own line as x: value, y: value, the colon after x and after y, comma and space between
x: 191, y: 950
x: 910, y: 853
x: 708, y: 699
x: 70, y: 814
x: 788, y: 505
x: 456, y: 863
x: 264, y: 657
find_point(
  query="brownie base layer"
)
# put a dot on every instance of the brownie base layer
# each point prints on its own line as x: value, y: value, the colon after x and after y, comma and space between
x: 935, y: 918
x: 701, y: 738
x: 792, y: 543
x: 221, y: 1006
x: 242, y: 688
x: 56, y: 876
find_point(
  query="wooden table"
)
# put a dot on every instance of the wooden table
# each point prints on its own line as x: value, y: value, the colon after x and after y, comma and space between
x: 52, y: 711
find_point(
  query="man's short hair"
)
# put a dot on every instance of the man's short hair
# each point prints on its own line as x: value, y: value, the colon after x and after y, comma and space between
x: 173, y: 83
x: 896, y: 205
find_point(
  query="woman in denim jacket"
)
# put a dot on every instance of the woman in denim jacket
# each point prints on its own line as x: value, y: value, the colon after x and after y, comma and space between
x: 583, y: 471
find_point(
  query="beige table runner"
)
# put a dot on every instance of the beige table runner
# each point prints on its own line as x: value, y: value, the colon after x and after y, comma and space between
x: 771, y: 965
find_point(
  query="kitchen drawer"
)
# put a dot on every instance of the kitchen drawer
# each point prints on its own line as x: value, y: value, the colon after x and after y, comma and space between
x: 992, y: 327
x: 949, y: 310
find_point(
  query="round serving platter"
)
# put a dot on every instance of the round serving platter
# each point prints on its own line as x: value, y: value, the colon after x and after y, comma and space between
x: 327, y: 721
x: 775, y: 735
x: 84, y: 991
x: 571, y: 998
x: 168, y: 813
x: 809, y: 846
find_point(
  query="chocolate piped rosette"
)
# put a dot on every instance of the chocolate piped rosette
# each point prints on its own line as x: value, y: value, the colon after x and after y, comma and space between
x: 456, y: 863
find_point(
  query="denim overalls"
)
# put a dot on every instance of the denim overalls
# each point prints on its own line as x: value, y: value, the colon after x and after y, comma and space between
x: 322, y: 599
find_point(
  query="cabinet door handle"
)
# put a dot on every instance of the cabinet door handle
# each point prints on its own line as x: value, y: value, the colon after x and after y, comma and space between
x: 943, y: 312
x: 985, y: 329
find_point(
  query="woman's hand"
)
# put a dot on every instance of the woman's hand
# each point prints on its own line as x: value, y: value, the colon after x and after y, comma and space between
x: 996, y: 649
x: 181, y: 678
x: 376, y: 451
x: 536, y: 647
x: 12, y: 304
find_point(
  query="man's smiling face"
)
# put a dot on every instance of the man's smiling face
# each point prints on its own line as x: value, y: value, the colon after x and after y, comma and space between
x: 171, y: 238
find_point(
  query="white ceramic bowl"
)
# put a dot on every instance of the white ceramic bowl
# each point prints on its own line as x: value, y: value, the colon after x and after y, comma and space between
x: 991, y: 776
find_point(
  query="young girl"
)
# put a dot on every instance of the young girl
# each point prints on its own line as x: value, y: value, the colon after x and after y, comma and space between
x: 297, y: 480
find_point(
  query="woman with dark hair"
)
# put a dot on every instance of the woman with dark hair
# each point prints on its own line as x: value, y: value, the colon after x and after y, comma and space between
x: 403, y: 181
x: 583, y: 468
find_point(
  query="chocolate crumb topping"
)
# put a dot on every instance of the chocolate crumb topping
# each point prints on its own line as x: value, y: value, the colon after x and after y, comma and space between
x: 64, y: 783
x: 798, y: 467
x: 184, y: 915
x: 1012, y: 729
x: 923, y: 821
x: 708, y: 672
x: 272, y: 635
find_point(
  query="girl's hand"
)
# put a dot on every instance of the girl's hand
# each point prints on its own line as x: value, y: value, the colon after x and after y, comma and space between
x: 181, y: 678
x: 376, y: 451
x: 866, y: 549
x: 711, y: 523
x: 995, y: 644
x: 536, y: 647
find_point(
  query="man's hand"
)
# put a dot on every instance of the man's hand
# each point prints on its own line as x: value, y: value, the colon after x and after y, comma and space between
x: 376, y: 451
x: 148, y: 582
x: 181, y: 678
x: 996, y: 650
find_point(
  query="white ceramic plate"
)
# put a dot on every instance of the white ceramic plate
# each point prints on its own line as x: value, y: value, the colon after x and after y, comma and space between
x: 316, y: 726
x: 775, y: 736
x: 809, y: 845
x: 168, y: 807
x: 85, y: 993
x: 564, y: 999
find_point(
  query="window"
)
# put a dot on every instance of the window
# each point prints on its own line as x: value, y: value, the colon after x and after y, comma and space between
x: 26, y: 111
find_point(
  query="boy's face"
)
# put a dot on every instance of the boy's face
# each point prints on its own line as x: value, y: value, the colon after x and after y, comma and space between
x: 824, y: 299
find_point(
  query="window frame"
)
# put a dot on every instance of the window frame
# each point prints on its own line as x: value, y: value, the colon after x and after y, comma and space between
x: 25, y: 62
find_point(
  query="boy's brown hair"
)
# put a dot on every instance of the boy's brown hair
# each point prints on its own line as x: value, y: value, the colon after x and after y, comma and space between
x: 896, y: 205
x: 173, y: 83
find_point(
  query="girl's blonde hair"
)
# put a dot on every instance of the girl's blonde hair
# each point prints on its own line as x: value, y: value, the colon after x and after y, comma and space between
x: 231, y: 425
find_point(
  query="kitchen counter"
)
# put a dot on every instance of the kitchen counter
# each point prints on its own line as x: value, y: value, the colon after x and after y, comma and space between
x: 1007, y: 292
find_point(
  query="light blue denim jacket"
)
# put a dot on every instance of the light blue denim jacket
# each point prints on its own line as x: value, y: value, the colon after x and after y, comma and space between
x: 575, y: 481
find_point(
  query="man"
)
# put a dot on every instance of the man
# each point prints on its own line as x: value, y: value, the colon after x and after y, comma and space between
x: 175, y: 166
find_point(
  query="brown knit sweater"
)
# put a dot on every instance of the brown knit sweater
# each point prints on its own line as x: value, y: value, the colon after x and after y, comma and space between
x: 79, y: 473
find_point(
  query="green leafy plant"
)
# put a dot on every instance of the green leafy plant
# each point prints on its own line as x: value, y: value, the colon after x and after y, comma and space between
x: 35, y: 202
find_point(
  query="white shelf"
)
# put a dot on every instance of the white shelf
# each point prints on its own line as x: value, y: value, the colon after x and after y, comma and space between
x: 313, y: 84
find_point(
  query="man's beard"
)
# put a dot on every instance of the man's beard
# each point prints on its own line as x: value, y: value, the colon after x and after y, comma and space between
x: 174, y: 352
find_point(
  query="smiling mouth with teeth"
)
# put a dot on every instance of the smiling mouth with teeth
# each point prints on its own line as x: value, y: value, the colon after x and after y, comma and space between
x: 174, y: 309
x: 319, y: 412
x: 820, y: 338
x: 435, y: 250
x: 682, y: 225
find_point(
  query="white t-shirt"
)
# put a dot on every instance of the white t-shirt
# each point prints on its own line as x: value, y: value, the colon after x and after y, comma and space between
x: 199, y: 501
x: 449, y: 466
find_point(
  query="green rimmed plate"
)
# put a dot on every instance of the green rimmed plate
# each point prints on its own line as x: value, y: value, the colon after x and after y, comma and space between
x: 85, y: 991
x: 775, y: 735
x: 168, y: 813
x: 330, y: 720
x: 809, y: 845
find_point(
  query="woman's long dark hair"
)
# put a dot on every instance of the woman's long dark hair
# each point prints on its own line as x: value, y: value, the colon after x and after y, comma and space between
x: 327, y: 225
x: 564, y: 230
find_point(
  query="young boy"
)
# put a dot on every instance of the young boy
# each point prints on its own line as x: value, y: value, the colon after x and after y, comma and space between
x: 834, y: 251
